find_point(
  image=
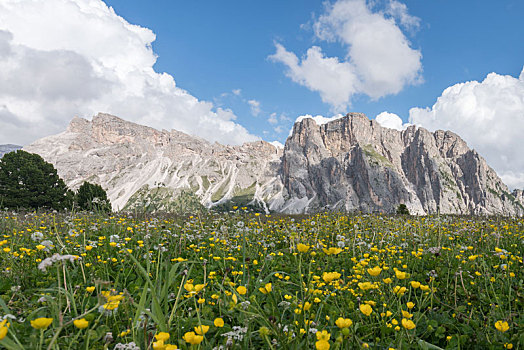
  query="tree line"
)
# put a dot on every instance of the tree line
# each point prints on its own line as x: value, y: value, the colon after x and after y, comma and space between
x: 27, y: 181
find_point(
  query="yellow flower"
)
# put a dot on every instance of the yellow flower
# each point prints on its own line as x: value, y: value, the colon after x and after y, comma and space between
x: 387, y: 280
x: 501, y: 326
x: 343, y: 322
x: 400, y: 275
x: 307, y: 306
x: 242, y: 290
x: 406, y: 314
x: 162, y: 336
x: 324, y: 335
x: 4, y: 326
x: 201, y: 330
x: 41, y: 322
x: 330, y: 276
x: 192, y: 338
x: 322, y: 345
x: 218, y: 322
x: 88, y: 247
x: 410, y: 305
x: 266, y: 289
x: 81, y: 323
x: 171, y: 347
x: 40, y: 247
x: 332, y: 251
x: 90, y: 289
x: 366, y: 309
x: 302, y: 248
x: 415, y: 284
x: 124, y: 333
x: 375, y: 271
x: 408, y: 324
x: 365, y: 285
x: 159, y: 345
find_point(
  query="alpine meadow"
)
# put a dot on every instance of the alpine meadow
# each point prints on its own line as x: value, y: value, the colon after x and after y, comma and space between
x: 237, y: 175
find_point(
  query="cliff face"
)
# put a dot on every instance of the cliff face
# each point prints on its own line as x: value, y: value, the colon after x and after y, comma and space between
x: 353, y: 163
x: 138, y: 165
x: 347, y: 164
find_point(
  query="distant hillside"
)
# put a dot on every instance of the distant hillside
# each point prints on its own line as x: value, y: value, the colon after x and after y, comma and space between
x: 8, y: 148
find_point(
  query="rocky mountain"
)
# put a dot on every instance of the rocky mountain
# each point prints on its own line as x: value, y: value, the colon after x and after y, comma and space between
x: 8, y: 148
x: 349, y: 164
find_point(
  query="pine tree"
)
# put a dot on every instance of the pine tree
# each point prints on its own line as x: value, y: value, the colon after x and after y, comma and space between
x: 28, y: 181
x: 92, y: 197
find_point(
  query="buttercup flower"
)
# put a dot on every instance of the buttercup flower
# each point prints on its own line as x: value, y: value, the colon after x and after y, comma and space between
x: 502, y: 326
x: 81, y: 323
x: 366, y: 309
x: 41, y: 322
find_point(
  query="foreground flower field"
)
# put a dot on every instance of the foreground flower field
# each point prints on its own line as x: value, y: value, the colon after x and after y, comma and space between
x: 249, y: 281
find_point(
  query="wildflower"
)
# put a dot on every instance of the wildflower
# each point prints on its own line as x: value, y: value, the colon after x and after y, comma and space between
x: 408, y: 324
x: 266, y: 289
x: 41, y: 323
x: 218, y: 322
x: 81, y: 323
x: 40, y: 247
x: 242, y: 290
x: 400, y: 275
x: 90, y: 289
x: 387, y: 280
x: 124, y: 333
x: 3, y: 329
x: 332, y: 251
x: 201, y: 330
x: 410, y: 305
x: 375, y: 271
x: 343, y: 322
x: 263, y: 331
x: 406, y: 314
x: 322, y: 340
x: 501, y: 326
x: 302, y: 248
x: 330, y: 276
x: 366, y: 309
x: 365, y: 285
x: 415, y: 284
x: 162, y: 336
x: 192, y: 338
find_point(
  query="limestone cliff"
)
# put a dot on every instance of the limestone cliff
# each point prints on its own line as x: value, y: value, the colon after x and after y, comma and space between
x: 349, y: 164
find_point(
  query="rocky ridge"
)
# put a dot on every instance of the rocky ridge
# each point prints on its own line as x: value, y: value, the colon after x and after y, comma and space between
x: 349, y: 164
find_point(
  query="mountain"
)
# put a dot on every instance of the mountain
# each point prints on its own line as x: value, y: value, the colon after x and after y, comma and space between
x: 349, y: 164
x: 8, y: 148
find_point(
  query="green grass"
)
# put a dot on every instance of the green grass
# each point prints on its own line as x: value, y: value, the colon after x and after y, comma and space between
x: 453, y: 277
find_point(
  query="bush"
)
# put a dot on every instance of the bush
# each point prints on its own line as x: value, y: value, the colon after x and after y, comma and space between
x: 402, y: 210
x: 28, y: 181
x: 92, y: 197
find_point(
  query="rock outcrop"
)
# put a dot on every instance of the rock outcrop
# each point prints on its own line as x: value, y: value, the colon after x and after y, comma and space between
x: 349, y: 164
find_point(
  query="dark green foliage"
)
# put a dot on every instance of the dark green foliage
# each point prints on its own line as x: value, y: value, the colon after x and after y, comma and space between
x: 402, y: 210
x: 28, y: 181
x: 92, y: 197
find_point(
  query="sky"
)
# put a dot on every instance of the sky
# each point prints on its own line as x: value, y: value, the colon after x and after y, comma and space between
x: 235, y: 71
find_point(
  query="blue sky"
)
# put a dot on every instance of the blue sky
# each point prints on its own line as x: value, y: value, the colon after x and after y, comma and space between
x: 239, y: 71
x: 213, y: 47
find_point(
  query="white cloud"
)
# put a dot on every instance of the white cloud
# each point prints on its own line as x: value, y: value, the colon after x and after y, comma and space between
x: 489, y: 116
x: 334, y: 80
x: 379, y: 58
x: 399, y: 11
x: 236, y: 92
x: 255, y: 107
x: 272, y: 119
x: 93, y: 61
x: 391, y: 120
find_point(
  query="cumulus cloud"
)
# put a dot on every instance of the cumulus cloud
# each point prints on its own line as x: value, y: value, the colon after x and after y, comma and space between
x: 254, y: 105
x: 489, y: 116
x: 379, y: 60
x: 391, y: 120
x: 94, y: 61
